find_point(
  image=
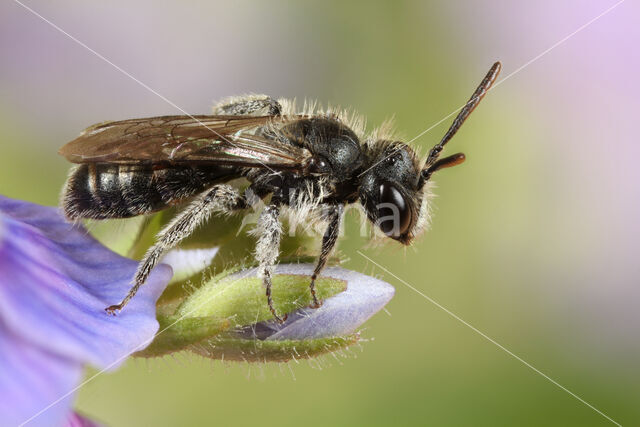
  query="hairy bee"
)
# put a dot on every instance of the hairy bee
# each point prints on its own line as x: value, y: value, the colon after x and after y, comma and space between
x: 140, y: 166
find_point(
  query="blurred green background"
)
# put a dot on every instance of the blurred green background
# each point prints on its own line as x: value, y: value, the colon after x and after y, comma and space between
x: 534, y: 240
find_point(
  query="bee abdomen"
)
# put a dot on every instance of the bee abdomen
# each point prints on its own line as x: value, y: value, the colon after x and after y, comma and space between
x: 101, y: 191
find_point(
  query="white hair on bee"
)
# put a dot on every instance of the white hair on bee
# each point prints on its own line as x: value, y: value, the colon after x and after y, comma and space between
x: 288, y: 106
x: 310, y: 107
x: 386, y: 131
x: 424, y: 212
x: 305, y: 208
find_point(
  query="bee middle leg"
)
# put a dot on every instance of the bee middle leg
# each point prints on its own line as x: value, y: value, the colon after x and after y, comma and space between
x: 220, y: 198
x: 268, y: 249
x: 334, y: 219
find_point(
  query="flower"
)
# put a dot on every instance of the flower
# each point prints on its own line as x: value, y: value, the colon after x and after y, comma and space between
x: 228, y: 318
x: 339, y: 315
x: 55, y: 281
x: 78, y: 420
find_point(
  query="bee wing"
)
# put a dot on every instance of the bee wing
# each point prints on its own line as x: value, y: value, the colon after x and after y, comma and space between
x: 225, y: 140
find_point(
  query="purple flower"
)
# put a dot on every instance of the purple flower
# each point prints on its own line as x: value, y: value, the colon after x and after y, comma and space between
x: 339, y: 315
x: 55, y: 281
x: 76, y: 420
x: 350, y: 299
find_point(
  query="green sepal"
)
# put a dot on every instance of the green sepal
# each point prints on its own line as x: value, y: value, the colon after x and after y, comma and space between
x: 225, y: 348
x: 244, y: 298
x: 225, y: 302
x: 177, y: 333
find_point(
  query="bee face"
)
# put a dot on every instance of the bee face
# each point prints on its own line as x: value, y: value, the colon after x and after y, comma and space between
x: 389, y: 190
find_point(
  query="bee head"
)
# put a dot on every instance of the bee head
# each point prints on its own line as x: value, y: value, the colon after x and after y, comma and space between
x: 390, y: 190
x: 393, y: 189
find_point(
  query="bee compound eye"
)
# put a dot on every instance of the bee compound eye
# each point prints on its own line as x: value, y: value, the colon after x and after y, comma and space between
x: 394, y: 215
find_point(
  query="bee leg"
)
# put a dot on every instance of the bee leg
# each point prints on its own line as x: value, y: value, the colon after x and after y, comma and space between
x: 250, y: 105
x: 220, y: 198
x: 334, y: 218
x: 268, y: 249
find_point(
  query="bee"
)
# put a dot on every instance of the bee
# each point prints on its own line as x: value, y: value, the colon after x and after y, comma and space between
x: 304, y: 162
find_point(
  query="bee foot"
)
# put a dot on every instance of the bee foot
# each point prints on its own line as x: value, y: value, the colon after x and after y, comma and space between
x: 316, y: 304
x: 113, y: 309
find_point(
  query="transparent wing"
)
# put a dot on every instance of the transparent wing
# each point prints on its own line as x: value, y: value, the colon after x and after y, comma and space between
x: 226, y: 140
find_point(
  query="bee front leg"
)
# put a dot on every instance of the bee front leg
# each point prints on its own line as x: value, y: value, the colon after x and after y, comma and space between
x: 334, y: 219
x: 220, y: 198
x: 268, y: 249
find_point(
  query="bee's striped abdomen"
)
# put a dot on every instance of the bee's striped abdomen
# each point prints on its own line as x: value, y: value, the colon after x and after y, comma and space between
x: 101, y: 191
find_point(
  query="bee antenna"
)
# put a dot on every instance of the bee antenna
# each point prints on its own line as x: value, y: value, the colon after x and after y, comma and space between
x: 468, y: 108
x: 447, y: 162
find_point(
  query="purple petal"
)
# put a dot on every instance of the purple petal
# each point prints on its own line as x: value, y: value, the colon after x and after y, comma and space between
x: 56, y: 280
x: 77, y: 420
x: 32, y: 378
x: 339, y: 315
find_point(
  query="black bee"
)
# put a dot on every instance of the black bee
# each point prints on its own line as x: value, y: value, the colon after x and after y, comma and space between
x: 309, y: 162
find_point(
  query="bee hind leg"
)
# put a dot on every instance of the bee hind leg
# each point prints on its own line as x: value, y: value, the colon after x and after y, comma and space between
x: 334, y: 219
x: 220, y: 198
x: 249, y: 105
